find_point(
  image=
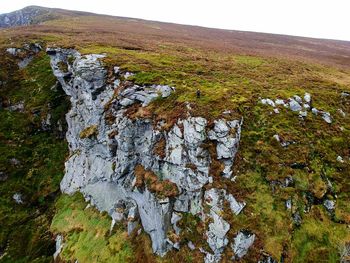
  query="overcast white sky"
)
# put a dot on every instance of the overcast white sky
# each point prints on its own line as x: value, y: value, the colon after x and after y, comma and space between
x: 313, y: 18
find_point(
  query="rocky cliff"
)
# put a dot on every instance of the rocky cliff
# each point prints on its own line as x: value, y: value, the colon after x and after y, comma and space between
x: 255, y: 169
x: 135, y: 169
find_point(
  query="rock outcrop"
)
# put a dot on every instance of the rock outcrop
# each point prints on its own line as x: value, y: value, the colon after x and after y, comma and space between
x: 107, y: 147
x: 25, y: 54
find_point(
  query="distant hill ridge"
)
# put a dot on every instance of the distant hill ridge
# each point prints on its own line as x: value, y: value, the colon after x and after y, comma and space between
x: 32, y: 15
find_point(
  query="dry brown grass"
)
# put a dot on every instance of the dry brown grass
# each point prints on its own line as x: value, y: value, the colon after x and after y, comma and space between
x: 136, y: 34
x: 159, y: 148
x: 89, y: 132
x: 150, y: 180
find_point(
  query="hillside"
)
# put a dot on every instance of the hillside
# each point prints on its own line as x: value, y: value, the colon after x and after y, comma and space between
x: 255, y: 168
x: 79, y: 28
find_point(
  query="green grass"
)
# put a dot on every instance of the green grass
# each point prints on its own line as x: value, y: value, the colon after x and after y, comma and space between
x: 316, y: 242
x: 86, y: 232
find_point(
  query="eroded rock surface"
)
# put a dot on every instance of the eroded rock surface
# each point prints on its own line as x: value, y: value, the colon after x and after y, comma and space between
x: 218, y: 227
x: 242, y: 242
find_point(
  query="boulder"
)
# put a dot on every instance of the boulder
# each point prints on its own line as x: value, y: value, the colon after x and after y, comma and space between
x: 307, y: 98
x: 345, y: 94
x: 294, y: 105
x: 280, y: 102
x: 326, y: 116
x: 329, y: 205
x: 18, y: 198
x: 298, y: 99
x: 340, y: 159
x: 341, y: 112
x: 268, y: 102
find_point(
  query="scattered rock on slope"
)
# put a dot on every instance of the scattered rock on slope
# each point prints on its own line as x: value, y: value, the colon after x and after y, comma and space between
x: 297, y: 104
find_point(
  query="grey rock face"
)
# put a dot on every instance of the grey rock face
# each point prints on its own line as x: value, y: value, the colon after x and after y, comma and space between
x: 235, y: 206
x: 46, y: 123
x: 102, y: 164
x: 216, y: 234
x: 218, y: 228
x: 289, y: 204
x: 298, y: 99
x: 282, y: 142
x: 302, y: 114
x: 241, y: 244
x: 176, y: 217
x: 227, y: 135
x: 216, y: 197
x: 191, y: 246
x: 15, y: 162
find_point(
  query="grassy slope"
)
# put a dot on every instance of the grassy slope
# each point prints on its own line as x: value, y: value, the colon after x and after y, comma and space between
x: 24, y: 227
x: 234, y: 80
